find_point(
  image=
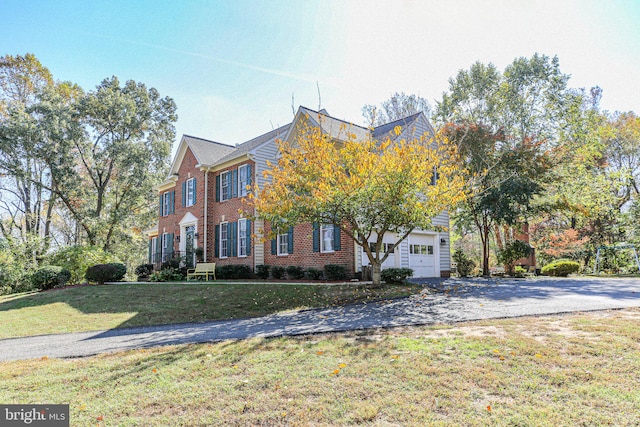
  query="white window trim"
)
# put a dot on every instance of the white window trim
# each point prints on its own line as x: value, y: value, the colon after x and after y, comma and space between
x: 191, y: 192
x: 286, y: 250
x: 242, y: 188
x: 242, y: 239
x: 226, y: 240
x: 322, y: 244
x: 223, y: 194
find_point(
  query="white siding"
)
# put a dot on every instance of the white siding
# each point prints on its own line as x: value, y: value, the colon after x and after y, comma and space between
x: 258, y: 245
x: 265, y: 153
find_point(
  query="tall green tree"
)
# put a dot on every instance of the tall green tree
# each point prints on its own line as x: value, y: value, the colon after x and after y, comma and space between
x: 398, y: 106
x: 107, y: 150
x: 526, y: 106
x: 26, y: 206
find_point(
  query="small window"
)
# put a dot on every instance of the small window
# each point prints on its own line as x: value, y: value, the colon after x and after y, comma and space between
x: 326, y: 238
x: 384, y: 249
x: 166, y: 203
x: 243, y: 180
x: 225, y: 186
x: 191, y: 192
x: 242, y: 237
x: 224, y: 240
x: 283, y: 244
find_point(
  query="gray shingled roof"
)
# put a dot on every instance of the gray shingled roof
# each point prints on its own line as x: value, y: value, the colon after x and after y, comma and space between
x: 210, y: 153
x: 247, y: 146
x: 387, y: 128
x: 207, y: 152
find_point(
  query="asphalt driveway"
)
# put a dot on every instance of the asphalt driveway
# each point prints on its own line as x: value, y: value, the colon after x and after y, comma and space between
x: 443, y: 301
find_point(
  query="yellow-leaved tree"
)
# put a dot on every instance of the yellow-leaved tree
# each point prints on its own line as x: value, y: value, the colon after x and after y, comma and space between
x: 366, y: 187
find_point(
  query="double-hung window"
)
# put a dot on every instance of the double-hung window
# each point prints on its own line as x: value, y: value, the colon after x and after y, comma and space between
x: 242, y: 237
x: 283, y: 244
x: 191, y: 192
x: 243, y: 180
x: 167, y: 203
x: 326, y: 238
x: 224, y: 240
x: 225, y: 186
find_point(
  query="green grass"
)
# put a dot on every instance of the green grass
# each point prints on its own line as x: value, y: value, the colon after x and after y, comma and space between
x: 573, y: 370
x: 89, y: 308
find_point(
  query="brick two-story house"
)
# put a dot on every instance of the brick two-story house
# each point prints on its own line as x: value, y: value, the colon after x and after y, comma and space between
x: 200, y: 206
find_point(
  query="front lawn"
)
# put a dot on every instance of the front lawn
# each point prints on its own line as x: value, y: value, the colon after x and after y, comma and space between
x: 88, y: 308
x: 572, y: 370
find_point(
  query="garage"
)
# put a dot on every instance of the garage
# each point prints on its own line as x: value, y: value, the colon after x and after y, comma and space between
x: 422, y: 255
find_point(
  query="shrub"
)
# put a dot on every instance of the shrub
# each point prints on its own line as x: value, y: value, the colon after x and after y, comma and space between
x: 101, y: 273
x: 262, y: 271
x: 278, y: 272
x: 396, y: 276
x: 314, y: 273
x: 560, y: 268
x: 78, y: 258
x: 335, y: 272
x: 519, y: 271
x: 49, y: 277
x: 464, y: 264
x: 167, y: 275
x: 513, y: 251
x: 295, y: 272
x: 144, y: 270
x: 239, y: 271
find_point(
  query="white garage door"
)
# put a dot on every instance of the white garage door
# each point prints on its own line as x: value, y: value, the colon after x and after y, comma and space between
x: 422, y: 257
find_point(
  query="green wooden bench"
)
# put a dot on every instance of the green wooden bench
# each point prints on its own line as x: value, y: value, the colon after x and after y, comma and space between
x: 203, y: 269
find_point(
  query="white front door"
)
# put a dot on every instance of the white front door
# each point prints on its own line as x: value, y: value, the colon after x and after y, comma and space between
x: 422, y: 255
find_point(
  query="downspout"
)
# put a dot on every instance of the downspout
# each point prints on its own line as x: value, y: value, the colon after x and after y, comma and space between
x: 206, y: 203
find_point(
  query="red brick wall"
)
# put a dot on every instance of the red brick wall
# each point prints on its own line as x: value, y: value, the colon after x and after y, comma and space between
x: 171, y: 223
x: 230, y: 210
x: 303, y: 255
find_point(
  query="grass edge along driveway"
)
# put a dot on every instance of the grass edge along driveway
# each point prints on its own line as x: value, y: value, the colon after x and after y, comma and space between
x: 568, y: 370
x: 89, y: 308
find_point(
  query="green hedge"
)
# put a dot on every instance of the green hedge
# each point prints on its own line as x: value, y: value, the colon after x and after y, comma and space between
x: 395, y: 276
x: 49, y: 277
x: 560, y: 268
x: 100, y: 273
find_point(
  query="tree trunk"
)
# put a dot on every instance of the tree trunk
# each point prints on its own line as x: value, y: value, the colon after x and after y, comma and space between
x: 376, y: 268
x: 485, y: 250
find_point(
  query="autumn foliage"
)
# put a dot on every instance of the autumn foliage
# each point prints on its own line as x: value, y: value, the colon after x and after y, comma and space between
x: 367, y: 187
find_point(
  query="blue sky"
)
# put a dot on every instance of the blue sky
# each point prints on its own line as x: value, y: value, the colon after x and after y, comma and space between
x: 233, y: 66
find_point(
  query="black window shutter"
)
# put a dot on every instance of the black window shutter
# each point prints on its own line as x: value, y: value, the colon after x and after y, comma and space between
x: 195, y: 186
x: 336, y: 238
x: 172, y: 205
x: 234, y: 183
x: 233, y: 238
x: 184, y: 194
x: 217, y: 189
x: 290, y: 241
x: 274, y: 246
x: 248, y: 237
x: 316, y: 237
x: 150, y: 249
x: 249, y: 175
x: 216, y: 242
x: 170, y: 249
x: 160, y: 206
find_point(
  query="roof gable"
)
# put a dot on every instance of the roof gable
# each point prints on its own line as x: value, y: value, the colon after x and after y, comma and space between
x: 204, y: 150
